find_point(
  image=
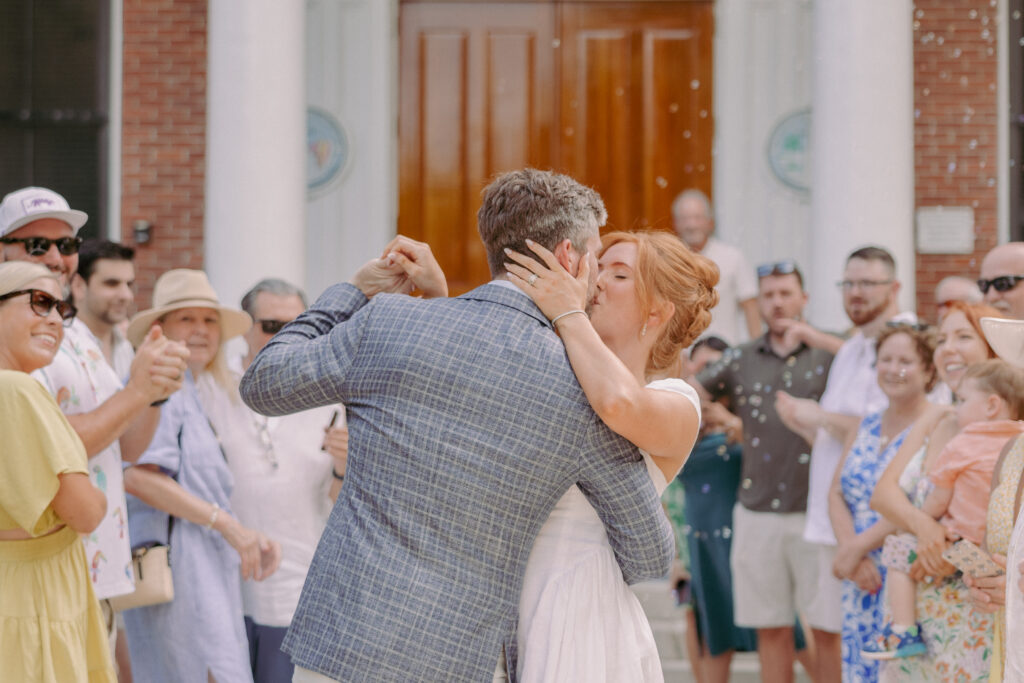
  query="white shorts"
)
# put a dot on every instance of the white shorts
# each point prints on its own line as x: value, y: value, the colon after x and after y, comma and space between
x: 826, y: 610
x: 774, y: 570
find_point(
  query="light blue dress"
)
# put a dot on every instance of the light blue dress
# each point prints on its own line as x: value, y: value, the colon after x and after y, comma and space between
x: 202, y: 629
x: 863, y: 613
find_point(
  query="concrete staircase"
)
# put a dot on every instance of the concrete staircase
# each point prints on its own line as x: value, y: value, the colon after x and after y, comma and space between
x: 669, y: 626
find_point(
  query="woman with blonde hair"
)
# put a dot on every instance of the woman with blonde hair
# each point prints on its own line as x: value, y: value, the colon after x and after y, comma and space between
x: 51, y: 626
x: 181, y: 488
x: 578, y: 619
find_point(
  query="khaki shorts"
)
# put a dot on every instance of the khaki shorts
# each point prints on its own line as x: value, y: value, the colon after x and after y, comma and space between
x: 826, y: 610
x: 774, y: 570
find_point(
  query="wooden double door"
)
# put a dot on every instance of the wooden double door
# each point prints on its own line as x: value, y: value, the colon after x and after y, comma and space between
x: 615, y: 94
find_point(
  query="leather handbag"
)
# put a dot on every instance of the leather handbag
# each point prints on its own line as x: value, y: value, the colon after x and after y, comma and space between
x: 153, y: 581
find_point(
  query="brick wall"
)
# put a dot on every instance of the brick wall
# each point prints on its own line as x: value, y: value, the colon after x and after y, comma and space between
x: 164, y: 134
x: 955, y: 129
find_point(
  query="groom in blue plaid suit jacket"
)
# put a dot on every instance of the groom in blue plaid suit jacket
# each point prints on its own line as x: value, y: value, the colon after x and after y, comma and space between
x: 466, y: 425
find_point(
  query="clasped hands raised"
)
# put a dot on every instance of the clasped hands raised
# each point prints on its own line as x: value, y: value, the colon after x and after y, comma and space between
x: 404, y: 266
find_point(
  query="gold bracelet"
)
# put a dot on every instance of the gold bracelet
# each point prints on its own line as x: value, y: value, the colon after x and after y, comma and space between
x: 213, y: 516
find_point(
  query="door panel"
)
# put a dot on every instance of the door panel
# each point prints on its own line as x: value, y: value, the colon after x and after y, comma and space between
x: 636, y: 88
x: 616, y: 94
x: 475, y: 100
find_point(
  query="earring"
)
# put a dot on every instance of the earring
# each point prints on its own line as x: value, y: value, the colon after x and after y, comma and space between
x: 643, y: 330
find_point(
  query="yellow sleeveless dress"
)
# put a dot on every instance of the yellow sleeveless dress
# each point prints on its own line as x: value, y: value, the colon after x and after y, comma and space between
x: 51, y: 626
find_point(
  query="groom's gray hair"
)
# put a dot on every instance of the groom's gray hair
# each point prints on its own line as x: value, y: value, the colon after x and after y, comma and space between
x: 541, y: 206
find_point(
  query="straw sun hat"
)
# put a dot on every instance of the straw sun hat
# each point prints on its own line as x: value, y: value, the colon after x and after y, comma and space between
x: 183, y: 288
x: 1006, y: 337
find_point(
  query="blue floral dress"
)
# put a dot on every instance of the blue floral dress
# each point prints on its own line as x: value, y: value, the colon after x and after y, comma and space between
x: 863, y: 613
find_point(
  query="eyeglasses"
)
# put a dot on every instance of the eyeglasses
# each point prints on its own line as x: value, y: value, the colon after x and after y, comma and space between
x: 1002, y: 284
x: 42, y: 303
x: 850, y: 285
x: 272, y: 326
x: 37, y: 246
x: 779, y: 268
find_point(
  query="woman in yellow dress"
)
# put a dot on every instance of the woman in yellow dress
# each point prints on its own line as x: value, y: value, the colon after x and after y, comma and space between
x: 51, y: 627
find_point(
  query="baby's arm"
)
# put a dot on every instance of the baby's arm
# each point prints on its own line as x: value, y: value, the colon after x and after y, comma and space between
x: 937, y: 502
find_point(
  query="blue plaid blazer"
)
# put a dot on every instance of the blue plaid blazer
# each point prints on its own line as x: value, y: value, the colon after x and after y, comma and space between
x: 466, y: 426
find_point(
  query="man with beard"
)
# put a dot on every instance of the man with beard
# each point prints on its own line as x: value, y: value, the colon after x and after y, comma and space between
x: 870, y: 289
x: 773, y: 567
x: 1002, y: 271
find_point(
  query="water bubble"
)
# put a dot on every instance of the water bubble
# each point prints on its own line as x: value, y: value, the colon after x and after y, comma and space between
x: 747, y: 483
x: 917, y: 113
x: 973, y: 14
x: 951, y: 168
x: 927, y: 92
x: 687, y: 134
x: 957, y: 52
x: 985, y: 33
x: 722, y: 450
x: 917, y: 25
x: 1016, y: 15
x: 776, y: 504
x: 984, y: 20
x: 804, y: 458
x: 782, y: 486
x: 963, y: 80
x: 919, y: 13
x: 940, y: 40
x: 673, y: 108
x: 694, y: 84
x: 661, y: 182
x: 703, y: 113
x: 767, y: 457
x: 973, y: 144
x: 757, y: 386
x: 762, y: 419
x: 726, y: 532
x: 701, y: 168
x: 754, y: 413
x: 990, y: 182
x: 688, y: 168
x: 705, y: 488
x: 943, y: 75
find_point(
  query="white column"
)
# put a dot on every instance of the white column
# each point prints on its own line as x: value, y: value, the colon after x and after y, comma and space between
x: 352, y: 75
x: 256, y: 135
x: 862, y: 144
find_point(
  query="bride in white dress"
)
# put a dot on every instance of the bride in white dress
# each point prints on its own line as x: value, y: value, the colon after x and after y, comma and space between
x: 578, y: 620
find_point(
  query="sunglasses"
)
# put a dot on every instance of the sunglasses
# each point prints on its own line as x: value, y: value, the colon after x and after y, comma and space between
x: 42, y: 303
x: 272, y: 326
x: 780, y: 268
x: 37, y: 246
x: 1001, y: 284
x: 916, y: 327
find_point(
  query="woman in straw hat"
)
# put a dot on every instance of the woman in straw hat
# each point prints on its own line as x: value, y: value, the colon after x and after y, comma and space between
x: 51, y: 627
x: 181, y: 489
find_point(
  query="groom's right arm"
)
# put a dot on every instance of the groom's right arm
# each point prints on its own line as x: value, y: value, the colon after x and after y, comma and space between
x: 304, y: 365
x: 614, y: 479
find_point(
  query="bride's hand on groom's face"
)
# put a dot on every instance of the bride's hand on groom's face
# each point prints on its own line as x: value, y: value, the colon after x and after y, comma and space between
x: 549, y: 284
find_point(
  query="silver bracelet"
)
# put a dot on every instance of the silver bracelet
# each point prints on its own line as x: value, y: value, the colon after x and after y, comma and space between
x: 562, y: 315
x: 213, y: 516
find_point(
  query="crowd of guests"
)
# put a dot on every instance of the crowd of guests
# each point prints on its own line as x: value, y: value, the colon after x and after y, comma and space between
x: 864, y: 484
x: 844, y: 505
x: 130, y: 433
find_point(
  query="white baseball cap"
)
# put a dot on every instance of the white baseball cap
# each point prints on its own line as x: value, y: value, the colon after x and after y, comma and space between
x: 33, y: 203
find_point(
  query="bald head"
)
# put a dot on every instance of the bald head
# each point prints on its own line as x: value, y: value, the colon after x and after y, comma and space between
x: 1006, y: 260
x: 956, y: 288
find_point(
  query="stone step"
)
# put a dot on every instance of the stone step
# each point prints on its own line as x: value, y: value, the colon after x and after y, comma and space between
x: 668, y: 623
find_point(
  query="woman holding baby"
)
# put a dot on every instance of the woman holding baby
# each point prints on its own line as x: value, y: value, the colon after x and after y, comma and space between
x: 958, y: 638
